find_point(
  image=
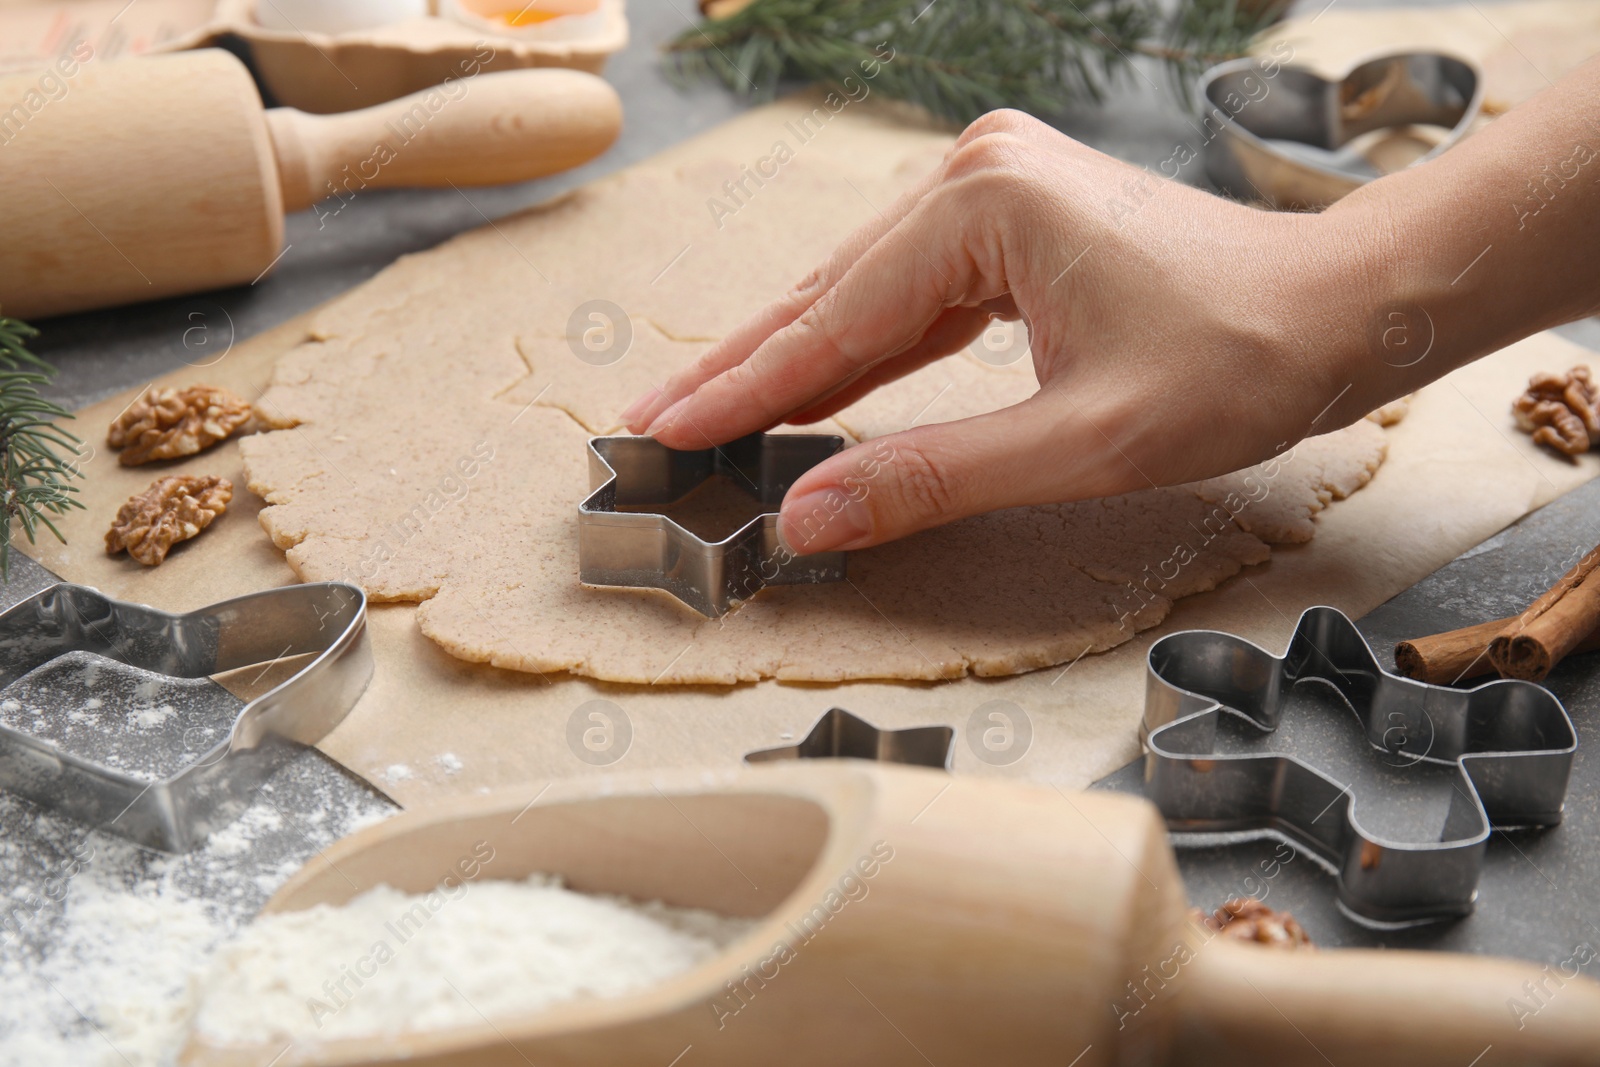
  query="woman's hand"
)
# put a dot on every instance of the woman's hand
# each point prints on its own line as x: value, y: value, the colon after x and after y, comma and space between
x: 1169, y: 330
x: 1175, y: 335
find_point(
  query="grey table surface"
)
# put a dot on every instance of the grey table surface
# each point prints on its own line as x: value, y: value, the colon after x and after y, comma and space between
x: 1540, y: 892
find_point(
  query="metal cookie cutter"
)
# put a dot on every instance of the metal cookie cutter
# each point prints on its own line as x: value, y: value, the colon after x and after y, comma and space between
x: 645, y: 549
x: 1301, y: 141
x: 72, y: 630
x: 841, y: 735
x: 1510, y: 743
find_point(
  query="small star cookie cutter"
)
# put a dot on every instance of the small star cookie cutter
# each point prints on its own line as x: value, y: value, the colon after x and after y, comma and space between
x: 842, y: 735
x: 67, y: 625
x: 644, y: 549
x: 1510, y: 742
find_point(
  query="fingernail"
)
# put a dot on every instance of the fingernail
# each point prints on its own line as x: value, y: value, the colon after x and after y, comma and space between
x: 665, y: 419
x: 822, y: 521
x: 638, y: 407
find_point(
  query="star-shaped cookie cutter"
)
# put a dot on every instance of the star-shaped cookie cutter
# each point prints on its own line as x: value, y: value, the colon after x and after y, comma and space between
x: 841, y: 735
x: 1511, y: 743
x: 642, y: 549
x: 324, y: 620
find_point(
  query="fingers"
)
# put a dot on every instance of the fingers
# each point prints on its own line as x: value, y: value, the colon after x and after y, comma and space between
x: 950, y: 333
x: 1034, y: 452
x: 748, y: 336
x: 886, y: 301
x: 646, y: 413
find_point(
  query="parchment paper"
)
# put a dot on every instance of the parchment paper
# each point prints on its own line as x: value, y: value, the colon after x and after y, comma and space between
x: 431, y: 725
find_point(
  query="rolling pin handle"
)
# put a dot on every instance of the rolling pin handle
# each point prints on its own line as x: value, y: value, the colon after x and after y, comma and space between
x: 487, y: 129
x: 294, y: 172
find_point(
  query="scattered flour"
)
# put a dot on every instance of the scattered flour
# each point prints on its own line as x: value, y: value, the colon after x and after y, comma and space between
x: 449, y: 762
x: 388, y: 962
x: 102, y: 942
x: 237, y: 837
x: 148, y: 718
x: 85, y: 714
x: 397, y: 772
x: 115, y: 987
x: 145, y: 724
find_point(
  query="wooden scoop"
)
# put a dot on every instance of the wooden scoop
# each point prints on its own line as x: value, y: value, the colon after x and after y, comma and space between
x: 914, y: 918
x: 142, y: 178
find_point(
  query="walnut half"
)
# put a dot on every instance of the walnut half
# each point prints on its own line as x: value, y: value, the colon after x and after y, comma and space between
x: 173, y: 509
x: 168, y: 423
x: 1247, y: 919
x: 1559, y: 410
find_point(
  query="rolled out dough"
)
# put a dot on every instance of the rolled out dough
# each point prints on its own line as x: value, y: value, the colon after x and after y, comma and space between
x: 431, y: 447
x: 1457, y: 472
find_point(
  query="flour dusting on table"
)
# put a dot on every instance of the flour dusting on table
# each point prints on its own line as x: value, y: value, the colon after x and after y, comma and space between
x: 101, y: 941
x: 136, y: 721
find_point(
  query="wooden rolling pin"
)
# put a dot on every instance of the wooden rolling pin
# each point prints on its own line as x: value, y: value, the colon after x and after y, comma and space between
x: 161, y: 175
x: 915, y: 918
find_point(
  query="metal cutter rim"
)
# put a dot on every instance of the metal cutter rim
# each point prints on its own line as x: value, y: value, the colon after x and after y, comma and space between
x: 649, y: 550
x: 1195, y: 676
x: 1238, y: 150
x: 175, y: 813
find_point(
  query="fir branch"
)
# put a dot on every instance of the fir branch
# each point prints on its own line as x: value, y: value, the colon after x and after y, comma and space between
x: 33, y: 469
x: 1205, y: 32
x: 960, y: 58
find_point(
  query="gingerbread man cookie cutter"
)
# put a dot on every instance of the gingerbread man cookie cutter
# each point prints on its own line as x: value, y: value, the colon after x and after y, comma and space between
x: 1511, y: 743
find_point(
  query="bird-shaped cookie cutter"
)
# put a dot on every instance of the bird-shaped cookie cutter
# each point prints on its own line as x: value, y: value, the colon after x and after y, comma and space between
x: 1511, y: 743
x: 325, y: 621
x: 644, y: 549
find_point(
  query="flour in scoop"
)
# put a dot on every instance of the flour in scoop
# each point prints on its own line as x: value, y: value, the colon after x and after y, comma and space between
x: 471, y: 950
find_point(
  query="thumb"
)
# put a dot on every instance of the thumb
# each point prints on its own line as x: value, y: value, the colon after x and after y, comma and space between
x: 893, y: 486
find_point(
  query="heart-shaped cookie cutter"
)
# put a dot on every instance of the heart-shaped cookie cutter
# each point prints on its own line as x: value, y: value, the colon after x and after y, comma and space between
x: 324, y: 620
x: 1511, y: 742
x: 1278, y: 136
x: 644, y: 549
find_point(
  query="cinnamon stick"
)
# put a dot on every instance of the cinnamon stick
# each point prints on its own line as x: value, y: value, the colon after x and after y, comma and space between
x: 1529, y: 649
x: 1566, y: 613
x: 1457, y: 655
x: 1528, y: 645
x: 1447, y: 658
